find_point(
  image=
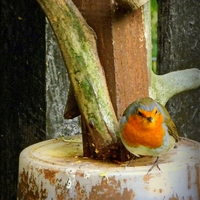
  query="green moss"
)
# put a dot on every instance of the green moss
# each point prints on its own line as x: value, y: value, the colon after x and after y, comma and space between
x: 154, y: 23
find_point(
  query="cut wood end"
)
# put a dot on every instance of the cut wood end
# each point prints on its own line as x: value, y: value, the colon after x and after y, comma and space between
x: 130, y: 4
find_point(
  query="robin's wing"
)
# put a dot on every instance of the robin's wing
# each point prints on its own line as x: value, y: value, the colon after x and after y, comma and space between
x: 172, y: 129
x: 169, y: 123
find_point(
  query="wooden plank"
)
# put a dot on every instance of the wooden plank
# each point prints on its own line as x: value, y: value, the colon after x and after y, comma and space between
x: 122, y: 49
x: 130, y: 58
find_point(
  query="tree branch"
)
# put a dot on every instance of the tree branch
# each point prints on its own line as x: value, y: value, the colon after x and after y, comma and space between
x: 78, y: 46
x: 163, y: 87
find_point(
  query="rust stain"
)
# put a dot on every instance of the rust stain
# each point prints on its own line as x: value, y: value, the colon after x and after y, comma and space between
x: 50, y: 175
x: 28, y: 188
x: 61, y: 192
x: 197, y: 168
x: 158, y: 190
x: 110, y: 191
x: 104, y: 191
x: 125, y: 180
x: 175, y: 197
x: 79, y: 173
x: 80, y: 192
x: 189, y: 177
x: 147, y: 177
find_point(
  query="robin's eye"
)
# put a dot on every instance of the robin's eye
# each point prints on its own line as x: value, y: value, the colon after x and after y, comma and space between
x: 156, y: 112
x: 140, y: 114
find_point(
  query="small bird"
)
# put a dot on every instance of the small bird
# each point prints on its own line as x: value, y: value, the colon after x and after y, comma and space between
x: 147, y: 129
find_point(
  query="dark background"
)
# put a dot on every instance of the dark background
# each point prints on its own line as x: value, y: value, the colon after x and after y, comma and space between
x: 22, y: 76
x: 179, y: 48
x: 22, y: 88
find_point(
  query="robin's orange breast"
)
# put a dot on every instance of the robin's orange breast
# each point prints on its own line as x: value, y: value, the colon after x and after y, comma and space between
x: 137, y: 132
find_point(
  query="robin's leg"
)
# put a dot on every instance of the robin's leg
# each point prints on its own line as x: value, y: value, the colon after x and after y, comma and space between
x: 155, y: 164
x: 130, y: 162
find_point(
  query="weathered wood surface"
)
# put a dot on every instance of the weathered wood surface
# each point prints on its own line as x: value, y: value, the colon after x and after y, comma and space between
x: 178, y: 49
x: 57, y: 86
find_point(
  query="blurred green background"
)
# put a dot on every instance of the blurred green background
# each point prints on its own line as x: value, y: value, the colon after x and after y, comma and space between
x: 154, y: 22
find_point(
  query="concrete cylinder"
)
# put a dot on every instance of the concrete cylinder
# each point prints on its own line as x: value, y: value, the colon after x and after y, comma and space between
x: 55, y: 169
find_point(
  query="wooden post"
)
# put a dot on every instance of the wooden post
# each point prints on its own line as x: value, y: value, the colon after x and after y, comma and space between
x: 178, y: 45
x: 122, y: 49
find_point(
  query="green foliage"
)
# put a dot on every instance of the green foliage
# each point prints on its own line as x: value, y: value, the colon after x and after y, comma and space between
x: 154, y: 22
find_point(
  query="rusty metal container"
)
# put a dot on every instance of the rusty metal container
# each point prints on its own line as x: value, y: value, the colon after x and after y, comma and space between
x: 55, y: 169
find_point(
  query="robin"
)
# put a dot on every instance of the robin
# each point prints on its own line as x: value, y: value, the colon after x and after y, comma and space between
x: 147, y: 129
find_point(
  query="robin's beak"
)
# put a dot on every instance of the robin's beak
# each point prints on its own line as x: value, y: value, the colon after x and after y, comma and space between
x: 150, y: 119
